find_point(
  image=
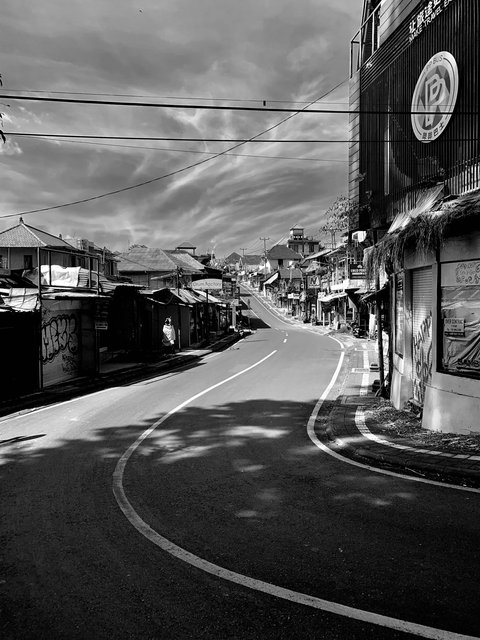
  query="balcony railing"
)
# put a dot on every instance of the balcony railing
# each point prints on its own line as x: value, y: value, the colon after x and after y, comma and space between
x: 365, y: 42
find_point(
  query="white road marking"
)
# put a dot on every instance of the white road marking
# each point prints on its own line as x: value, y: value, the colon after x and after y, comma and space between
x: 245, y: 581
x: 284, y: 340
x: 313, y: 437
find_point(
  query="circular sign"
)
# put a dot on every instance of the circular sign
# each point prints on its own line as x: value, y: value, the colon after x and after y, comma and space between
x: 434, y: 97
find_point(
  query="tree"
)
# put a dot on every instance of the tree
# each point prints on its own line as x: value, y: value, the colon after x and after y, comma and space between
x: 341, y: 216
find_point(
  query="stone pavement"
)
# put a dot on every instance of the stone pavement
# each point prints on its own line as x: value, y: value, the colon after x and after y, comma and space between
x: 341, y: 422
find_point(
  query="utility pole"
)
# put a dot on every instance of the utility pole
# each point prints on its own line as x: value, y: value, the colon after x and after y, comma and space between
x: 264, y: 240
x: 243, y: 251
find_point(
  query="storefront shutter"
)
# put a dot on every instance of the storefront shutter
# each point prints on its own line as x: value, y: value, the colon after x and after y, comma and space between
x: 422, y: 331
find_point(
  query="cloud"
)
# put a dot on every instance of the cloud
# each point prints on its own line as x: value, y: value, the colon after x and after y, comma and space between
x: 236, y: 53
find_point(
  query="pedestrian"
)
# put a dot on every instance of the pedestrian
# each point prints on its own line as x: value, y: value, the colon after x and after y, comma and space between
x: 168, y: 338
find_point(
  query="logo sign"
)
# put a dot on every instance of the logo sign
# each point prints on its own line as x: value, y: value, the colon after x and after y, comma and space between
x: 207, y: 284
x: 434, y: 97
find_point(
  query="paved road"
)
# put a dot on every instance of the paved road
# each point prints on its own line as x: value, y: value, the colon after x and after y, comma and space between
x: 199, y: 527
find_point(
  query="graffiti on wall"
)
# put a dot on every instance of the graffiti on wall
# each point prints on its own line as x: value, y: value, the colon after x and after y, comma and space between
x: 422, y: 358
x: 60, y: 337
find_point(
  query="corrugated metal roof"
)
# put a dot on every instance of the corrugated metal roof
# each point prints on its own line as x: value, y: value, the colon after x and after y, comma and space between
x: 23, y: 235
x: 286, y: 274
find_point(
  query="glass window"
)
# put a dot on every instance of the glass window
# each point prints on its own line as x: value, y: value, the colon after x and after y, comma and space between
x: 460, y: 317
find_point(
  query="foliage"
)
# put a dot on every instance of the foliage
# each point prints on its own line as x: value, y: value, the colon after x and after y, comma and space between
x: 425, y: 234
x: 341, y: 214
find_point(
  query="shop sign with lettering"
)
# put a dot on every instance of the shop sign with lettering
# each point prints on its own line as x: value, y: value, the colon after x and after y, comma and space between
x: 426, y: 16
x: 454, y: 326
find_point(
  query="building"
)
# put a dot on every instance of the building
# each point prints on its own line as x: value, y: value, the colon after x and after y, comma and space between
x: 23, y: 247
x: 157, y: 268
x: 302, y: 244
x: 415, y: 172
x: 281, y: 256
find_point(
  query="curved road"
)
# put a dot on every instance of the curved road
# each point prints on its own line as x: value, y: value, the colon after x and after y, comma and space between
x: 194, y: 505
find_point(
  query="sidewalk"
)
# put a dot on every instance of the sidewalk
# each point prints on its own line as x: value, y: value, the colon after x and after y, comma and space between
x: 344, y: 425
x: 112, y: 374
x: 347, y: 430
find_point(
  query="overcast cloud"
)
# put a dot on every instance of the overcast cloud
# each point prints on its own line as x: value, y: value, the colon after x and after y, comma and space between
x: 183, y: 50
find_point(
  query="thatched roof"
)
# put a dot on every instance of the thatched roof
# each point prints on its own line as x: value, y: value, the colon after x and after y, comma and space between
x: 426, y: 233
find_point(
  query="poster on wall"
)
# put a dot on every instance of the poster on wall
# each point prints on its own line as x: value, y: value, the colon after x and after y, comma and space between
x: 461, y: 329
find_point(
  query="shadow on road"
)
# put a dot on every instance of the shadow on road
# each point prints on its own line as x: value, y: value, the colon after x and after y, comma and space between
x: 238, y: 483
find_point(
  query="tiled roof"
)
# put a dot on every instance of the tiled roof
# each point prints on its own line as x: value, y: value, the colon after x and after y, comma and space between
x: 186, y: 261
x: 144, y: 259
x: 282, y: 252
x: 233, y: 257
x: 23, y: 235
x: 252, y: 260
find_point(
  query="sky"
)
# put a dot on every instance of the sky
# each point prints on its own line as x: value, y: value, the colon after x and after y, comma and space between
x: 185, y: 52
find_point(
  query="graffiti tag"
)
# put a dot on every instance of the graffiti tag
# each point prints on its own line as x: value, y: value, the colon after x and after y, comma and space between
x: 422, y: 358
x: 59, y: 334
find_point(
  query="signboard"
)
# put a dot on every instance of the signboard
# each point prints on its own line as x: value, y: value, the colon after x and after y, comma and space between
x: 207, y: 284
x: 454, y: 326
x: 426, y: 16
x: 357, y: 271
x: 464, y: 274
x: 434, y: 97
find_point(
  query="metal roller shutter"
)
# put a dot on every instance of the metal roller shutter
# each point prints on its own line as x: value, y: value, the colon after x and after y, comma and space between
x: 422, y: 285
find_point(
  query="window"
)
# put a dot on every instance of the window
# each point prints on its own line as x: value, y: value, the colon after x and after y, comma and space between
x: 460, y: 318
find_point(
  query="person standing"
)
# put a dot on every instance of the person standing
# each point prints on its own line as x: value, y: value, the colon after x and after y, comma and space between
x: 168, y: 338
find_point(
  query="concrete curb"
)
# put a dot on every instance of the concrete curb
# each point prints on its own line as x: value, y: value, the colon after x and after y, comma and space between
x: 337, y: 429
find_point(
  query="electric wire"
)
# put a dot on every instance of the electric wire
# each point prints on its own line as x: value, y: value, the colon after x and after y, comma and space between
x: 171, y: 173
x: 212, y: 153
x: 140, y: 95
x: 163, y: 105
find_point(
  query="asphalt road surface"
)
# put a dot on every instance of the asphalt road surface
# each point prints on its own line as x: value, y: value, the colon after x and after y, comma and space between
x: 195, y: 505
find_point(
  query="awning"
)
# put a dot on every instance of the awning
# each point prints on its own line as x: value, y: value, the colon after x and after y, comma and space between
x: 425, y: 202
x: 332, y: 296
x: 371, y: 295
x: 271, y: 279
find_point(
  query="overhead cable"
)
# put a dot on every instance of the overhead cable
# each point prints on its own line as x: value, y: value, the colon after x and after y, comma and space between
x: 170, y: 173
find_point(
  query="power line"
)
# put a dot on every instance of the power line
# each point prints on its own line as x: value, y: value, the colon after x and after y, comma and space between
x: 140, y: 95
x: 210, y: 153
x: 171, y: 173
x: 158, y: 138
x: 163, y: 105
x: 236, y: 140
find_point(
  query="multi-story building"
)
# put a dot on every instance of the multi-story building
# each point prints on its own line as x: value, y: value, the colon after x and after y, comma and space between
x: 415, y: 171
x: 302, y: 244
